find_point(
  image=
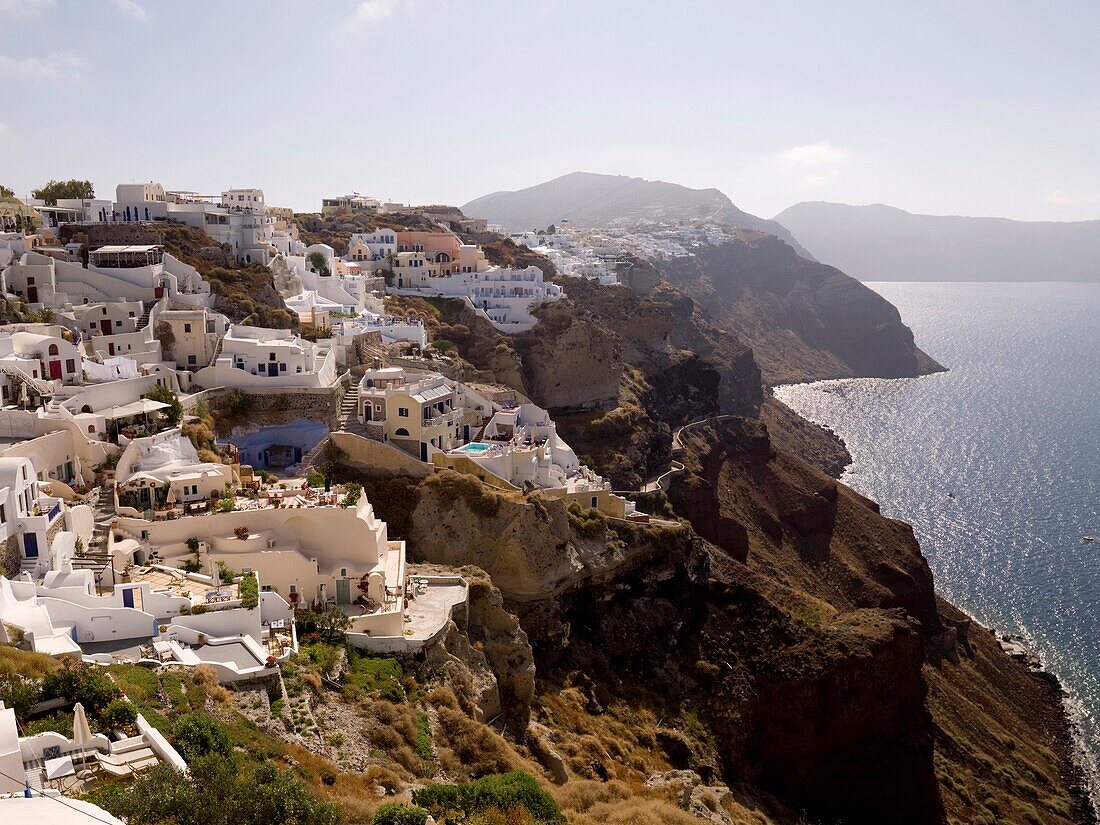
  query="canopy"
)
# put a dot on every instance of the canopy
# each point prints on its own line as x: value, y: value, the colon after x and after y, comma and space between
x: 142, y: 405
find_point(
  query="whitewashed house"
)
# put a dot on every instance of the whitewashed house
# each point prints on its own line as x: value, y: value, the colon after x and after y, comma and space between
x: 254, y: 357
x: 163, y: 471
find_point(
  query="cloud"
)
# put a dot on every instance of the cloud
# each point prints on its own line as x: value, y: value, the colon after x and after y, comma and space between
x: 810, y: 181
x: 57, y: 66
x: 810, y: 156
x: 368, y: 13
x: 1057, y: 196
x: 131, y: 8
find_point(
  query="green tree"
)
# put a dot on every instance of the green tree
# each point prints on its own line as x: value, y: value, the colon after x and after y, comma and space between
x: 5, y: 192
x: 164, y: 395
x: 64, y: 189
x: 196, y: 735
x: 318, y: 263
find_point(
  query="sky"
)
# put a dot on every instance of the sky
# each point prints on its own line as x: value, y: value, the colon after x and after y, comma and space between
x: 970, y: 108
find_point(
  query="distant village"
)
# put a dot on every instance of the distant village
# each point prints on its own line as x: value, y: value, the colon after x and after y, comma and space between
x: 132, y: 533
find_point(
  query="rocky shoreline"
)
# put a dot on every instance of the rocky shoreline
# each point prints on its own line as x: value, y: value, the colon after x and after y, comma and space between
x: 1086, y: 785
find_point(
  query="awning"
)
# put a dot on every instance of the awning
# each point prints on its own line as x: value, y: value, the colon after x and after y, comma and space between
x: 139, y: 407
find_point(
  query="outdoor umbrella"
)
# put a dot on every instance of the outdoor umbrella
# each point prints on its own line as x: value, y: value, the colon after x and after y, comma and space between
x: 82, y: 733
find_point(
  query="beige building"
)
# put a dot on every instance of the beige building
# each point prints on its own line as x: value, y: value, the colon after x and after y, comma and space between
x: 190, y: 336
x: 421, y: 416
x: 304, y: 546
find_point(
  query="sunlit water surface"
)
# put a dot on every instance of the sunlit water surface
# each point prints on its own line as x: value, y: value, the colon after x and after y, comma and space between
x: 1013, y: 432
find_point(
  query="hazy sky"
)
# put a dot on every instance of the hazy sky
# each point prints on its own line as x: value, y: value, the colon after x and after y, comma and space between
x: 980, y: 108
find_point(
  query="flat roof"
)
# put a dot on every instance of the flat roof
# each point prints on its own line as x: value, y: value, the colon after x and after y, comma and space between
x: 134, y: 248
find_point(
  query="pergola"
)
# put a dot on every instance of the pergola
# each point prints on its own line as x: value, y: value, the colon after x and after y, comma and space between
x: 127, y: 257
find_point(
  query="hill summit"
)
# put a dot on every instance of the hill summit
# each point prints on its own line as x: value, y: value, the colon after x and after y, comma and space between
x: 588, y: 199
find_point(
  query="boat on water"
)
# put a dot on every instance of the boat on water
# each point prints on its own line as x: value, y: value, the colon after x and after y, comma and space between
x: 1089, y: 538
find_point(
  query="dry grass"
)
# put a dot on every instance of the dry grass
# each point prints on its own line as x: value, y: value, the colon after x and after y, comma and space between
x: 25, y: 664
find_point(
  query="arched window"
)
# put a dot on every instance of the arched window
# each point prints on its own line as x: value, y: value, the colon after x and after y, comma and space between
x: 91, y: 428
x: 53, y: 349
x: 401, y: 431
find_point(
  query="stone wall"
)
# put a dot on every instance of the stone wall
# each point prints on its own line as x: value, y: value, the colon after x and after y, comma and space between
x: 12, y: 557
x: 375, y: 458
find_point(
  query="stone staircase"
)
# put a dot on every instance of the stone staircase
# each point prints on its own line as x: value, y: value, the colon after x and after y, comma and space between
x: 103, y: 508
x: 143, y: 321
x: 217, y: 352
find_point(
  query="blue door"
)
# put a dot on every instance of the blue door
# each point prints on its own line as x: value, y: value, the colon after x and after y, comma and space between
x: 272, y: 370
x: 128, y: 597
x: 30, y: 545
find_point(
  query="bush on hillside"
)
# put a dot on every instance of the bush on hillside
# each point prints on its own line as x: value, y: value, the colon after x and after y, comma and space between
x: 505, y: 792
x: 393, y: 813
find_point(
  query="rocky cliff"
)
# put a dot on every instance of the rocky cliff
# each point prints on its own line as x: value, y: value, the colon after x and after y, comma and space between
x: 804, y: 320
x: 787, y: 646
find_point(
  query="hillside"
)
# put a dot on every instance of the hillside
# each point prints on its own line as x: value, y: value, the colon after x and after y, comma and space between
x: 805, y: 321
x: 881, y: 243
x: 588, y: 199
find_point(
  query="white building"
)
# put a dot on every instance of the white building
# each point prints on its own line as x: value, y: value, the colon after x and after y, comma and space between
x: 503, y: 295
x: 354, y: 203
x: 256, y: 357
x: 164, y: 471
x: 305, y: 547
x: 28, y: 517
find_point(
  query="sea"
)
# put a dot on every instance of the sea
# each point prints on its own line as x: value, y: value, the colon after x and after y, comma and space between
x: 995, y: 463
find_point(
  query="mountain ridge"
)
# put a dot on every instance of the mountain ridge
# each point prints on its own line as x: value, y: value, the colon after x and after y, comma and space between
x: 883, y: 242
x: 595, y: 200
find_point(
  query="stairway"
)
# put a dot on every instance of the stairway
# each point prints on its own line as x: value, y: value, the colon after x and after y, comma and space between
x: 103, y: 508
x: 349, y: 407
x: 143, y: 321
x: 217, y: 352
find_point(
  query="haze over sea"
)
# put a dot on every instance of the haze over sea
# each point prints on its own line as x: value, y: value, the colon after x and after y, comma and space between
x: 1013, y: 432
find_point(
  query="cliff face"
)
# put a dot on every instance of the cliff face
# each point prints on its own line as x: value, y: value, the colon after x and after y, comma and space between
x: 787, y: 645
x: 804, y: 320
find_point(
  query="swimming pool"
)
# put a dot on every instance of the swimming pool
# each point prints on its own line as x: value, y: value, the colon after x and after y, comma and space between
x: 474, y: 447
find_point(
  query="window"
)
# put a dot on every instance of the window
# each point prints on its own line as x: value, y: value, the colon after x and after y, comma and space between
x: 3, y: 514
x: 595, y: 502
x: 343, y: 572
x: 401, y: 431
x: 53, y: 349
x: 403, y: 412
x: 70, y: 365
x: 91, y: 428
x: 191, y: 360
x: 294, y: 588
x: 186, y: 327
x: 282, y: 367
x: 103, y: 310
x: 271, y: 356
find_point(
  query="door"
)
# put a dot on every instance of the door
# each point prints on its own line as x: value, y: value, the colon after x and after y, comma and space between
x: 272, y: 370
x: 343, y: 591
x: 30, y: 545
x: 105, y: 325
x: 32, y: 295
x: 128, y: 597
x: 55, y: 369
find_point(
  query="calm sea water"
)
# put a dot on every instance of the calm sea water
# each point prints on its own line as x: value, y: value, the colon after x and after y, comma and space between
x: 1013, y: 431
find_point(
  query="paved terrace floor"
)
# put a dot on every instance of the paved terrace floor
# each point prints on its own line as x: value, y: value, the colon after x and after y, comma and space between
x: 431, y: 609
x: 177, y: 584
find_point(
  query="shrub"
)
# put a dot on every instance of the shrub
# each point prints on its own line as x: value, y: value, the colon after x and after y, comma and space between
x: 193, y: 544
x: 119, y: 714
x: 250, y: 592
x: 241, y: 532
x: 196, y: 735
x: 82, y: 683
x: 174, y: 412
x: 225, y: 572
x: 515, y: 789
x: 191, y: 566
x: 352, y: 492
x: 315, y: 479
x: 392, y: 813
